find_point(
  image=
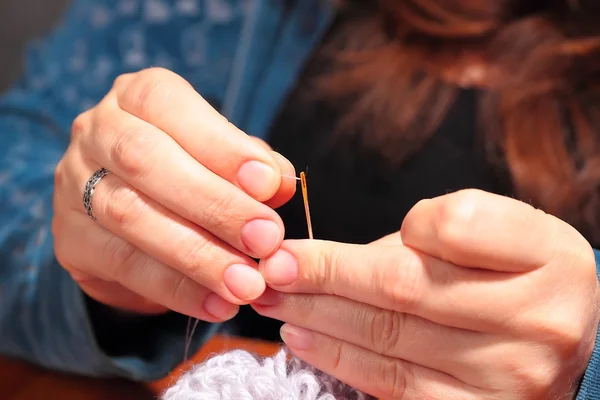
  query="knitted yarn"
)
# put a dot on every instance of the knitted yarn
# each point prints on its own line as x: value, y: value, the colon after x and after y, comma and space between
x: 239, y: 375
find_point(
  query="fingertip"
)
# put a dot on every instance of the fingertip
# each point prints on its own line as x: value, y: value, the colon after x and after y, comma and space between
x: 285, y: 166
x: 280, y: 269
x: 244, y: 282
x: 259, y: 179
x: 288, y: 183
x: 262, y: 237
x: 219, y: 308
x: 296, y: 337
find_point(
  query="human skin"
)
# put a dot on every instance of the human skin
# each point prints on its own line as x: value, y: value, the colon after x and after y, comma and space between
x: 187, y: 206
x: 478, y: 296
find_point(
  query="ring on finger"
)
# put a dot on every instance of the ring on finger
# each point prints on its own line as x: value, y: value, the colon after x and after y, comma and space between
x: 89, y: 191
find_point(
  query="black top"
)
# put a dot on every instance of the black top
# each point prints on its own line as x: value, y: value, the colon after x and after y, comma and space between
x: 355, y: 195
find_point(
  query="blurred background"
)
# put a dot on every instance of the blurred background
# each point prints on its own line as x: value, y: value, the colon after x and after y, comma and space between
x: 20, y: 22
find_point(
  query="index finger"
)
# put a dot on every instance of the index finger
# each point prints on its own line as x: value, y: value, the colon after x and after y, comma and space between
x: 401, y: 279
x: 165, y: 100
x: 398, y: 275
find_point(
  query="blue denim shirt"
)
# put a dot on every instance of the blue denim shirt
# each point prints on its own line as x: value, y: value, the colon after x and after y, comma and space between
x: 242, y: 55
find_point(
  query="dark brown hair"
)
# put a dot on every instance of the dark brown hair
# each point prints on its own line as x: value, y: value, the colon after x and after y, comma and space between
x: 539, y: 110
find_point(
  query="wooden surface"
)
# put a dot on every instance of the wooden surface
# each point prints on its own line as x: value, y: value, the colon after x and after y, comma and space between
x: 20, y: 381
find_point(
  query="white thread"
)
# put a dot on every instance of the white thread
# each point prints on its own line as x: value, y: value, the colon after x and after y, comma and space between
x: 239, y: 375
x: 189, y: 336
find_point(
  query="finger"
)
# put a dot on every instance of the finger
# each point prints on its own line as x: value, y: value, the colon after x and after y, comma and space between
x: 476, y: 229
x: 111, y: 259
x: 117, y: 296
x: 151, y: 162
x: 167, y: 101
x: 160, y: 233
x: 456, y: 352
x: 380, y: 376
x: 261, y: 143
x: 288, y: 185
x: 402, y: 279
x: 176, y: 242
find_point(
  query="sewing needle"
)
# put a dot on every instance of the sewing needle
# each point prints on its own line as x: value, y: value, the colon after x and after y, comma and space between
x: 306, y: 209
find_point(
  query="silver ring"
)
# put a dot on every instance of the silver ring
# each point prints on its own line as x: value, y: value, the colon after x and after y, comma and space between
x: 89, y: 190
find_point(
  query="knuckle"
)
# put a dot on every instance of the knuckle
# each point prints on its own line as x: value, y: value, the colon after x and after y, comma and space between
x: 563, y: 332
x: 122, y: 255
x: 61, y: 257
x: 455, y: 216
x: 394, y: 379
x: 131, y: 151
x: 584, y: 261
x: 198, y: 263
x: 122, y: 81
x: 338, y: 351
x: 155, y: 73
x: 533, y: 382
x: 147, y: 92
x: 403, y: 286
x: 55, y: 229
x: 306, y: 306
x: 385, y: 331
x: 218, y: 212
x: 411, y: 222
x: 575, y: 253
x: 80, y: 125
x: 124, y: 206
x: 59, y: 174
x: 327, y: 269
x: 178, y: 291
x: 61, y: 249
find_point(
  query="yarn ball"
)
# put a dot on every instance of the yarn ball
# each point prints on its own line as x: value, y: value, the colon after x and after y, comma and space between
x: 240, y: 375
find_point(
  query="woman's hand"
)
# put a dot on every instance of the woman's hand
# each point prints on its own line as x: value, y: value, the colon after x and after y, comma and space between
x: 187, y: 204
x: 478, y: 297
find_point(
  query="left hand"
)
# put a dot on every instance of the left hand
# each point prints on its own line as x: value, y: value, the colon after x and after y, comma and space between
x: 477, y: 297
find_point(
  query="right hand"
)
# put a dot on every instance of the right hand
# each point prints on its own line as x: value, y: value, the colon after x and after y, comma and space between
x: 188, y: 202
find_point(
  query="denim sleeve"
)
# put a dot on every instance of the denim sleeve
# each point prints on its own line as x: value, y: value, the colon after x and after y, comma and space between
x: 44, y: 316
x: 590, y: 386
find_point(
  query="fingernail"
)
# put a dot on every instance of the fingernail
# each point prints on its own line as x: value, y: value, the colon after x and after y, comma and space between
x: 297, y: 338
x: 261, y: 236
x: 269, y: 298
x: 244, y: 282
x: 219, y: 308
x: 258, y: 180
x: 281, y: 269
